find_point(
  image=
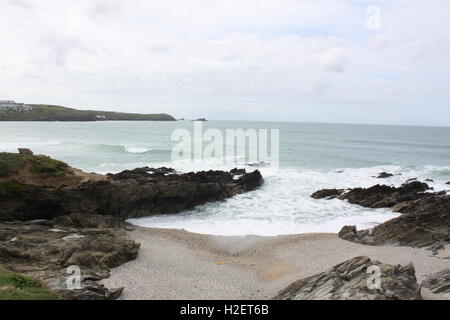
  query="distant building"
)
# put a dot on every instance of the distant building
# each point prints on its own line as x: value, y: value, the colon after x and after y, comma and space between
x: 12, y: 106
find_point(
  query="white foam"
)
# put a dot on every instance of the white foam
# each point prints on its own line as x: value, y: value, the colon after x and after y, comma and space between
x: 283, y: 205
x: 137, y: 150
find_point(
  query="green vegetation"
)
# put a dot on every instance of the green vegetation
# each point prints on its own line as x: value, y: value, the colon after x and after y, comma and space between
x: 14, y: 286
x: 57, y: 113
x: 8, y: 187
x: 48, y: 166
x: 10, y: 163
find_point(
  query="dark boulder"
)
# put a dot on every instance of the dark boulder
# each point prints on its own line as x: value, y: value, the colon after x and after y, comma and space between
x: 353, y: 280
x: 384, y: 175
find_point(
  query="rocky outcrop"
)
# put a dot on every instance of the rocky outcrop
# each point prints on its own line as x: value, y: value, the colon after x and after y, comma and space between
x: 378, y: 196
x: 46, y: 248
x: 382, y: 196
x: 424, y: 223
x: 425, y: 219
x: 54, y: 216
x: 438, y: 283
x: 129, y: 194
x: 355, y: 279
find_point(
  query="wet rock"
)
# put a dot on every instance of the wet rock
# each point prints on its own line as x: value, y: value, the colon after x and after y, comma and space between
x: 384, y: 175
x: 448, y: 183
x: 424, y: 223
x: 425, y: 220
x: 382, y: 196
x: 429, y: 180
x: 327, y: 194
x: 352, y: 280
x: 129, y: 194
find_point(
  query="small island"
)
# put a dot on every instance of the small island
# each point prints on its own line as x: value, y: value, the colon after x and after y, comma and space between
x: 13, y: 111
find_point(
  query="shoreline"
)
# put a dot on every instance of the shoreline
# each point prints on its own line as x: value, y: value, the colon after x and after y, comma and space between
x: 177, y: 264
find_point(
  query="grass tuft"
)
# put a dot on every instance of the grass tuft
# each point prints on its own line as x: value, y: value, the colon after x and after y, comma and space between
x: 14, y: 286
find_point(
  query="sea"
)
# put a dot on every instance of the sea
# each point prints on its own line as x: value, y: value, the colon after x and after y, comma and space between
x: 312, y: 156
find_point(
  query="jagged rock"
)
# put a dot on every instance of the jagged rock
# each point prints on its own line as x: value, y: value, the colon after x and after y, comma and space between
x: 384, y: 175
x: 425, y: 220
x: 65, y: 217
x: 379, y: 196
x: 129, y: 194
x: 327, y: 194
x: 45, y: 254
x: 438, y: 283
x: 425, y: 223
x: 429, y: 180
x: 382, y: 196
x: 352, y: 280
x: 25, y: 151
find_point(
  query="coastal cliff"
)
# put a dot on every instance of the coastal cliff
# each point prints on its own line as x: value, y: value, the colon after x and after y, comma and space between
x: 54, y: 216
x: 12, y: 111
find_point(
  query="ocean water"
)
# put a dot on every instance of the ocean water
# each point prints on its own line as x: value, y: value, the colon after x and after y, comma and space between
x: 312, y: 157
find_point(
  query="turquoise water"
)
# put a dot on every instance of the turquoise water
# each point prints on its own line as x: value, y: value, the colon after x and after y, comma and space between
x: 312, y: 156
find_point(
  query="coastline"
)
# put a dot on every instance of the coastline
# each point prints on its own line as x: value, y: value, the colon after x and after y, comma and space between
x: 176, y: 264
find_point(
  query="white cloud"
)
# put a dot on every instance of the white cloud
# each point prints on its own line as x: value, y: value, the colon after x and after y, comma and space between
x: 216, y: 58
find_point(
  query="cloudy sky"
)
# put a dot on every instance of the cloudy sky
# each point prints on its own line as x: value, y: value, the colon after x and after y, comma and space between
x: 287, y: 60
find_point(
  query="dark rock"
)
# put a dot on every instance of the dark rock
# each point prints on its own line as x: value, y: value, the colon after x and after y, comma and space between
x: 438, y: 283
x: 382, y: 196
x: 25, y: 151
x: 384, y: 175
x: 128, y: 194
x: 351, y: 281
x: 327, y: 194
x: 429, y: 180
x: 424, y: 223
x: 448, y: 183
x: 425, y: 220
x: 238, y: 172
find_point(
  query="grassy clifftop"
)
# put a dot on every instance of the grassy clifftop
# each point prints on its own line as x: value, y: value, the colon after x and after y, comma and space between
x: 58, y: 113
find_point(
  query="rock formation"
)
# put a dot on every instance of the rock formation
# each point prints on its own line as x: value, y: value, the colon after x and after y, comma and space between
x: 425, y: 219
x: 54, y: 216
x: 438, y: 283
x: 355, y: 279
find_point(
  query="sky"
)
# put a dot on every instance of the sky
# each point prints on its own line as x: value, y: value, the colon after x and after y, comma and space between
x: 379, y: 61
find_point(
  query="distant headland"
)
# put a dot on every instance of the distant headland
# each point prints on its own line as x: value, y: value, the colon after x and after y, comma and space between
x: 13, y: 111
